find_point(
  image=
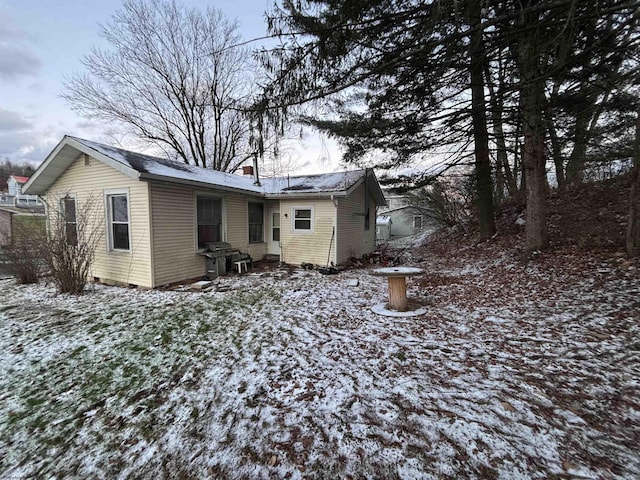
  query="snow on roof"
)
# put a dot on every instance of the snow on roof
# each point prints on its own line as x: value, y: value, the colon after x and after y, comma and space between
x: 156, y: 166
x: 325, y: 182
x: 383, y: 220
x: 20, y: 179
x: 147, y: 164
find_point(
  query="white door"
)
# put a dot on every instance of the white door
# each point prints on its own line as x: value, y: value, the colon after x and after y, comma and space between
x: 273, y: 245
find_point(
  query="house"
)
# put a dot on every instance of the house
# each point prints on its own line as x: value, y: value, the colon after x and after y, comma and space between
x: 15, y: 183
x: 383, y: 228
x: 14, y: 195
x: 19, y: 213
x: 404, y: 219
x: 160, y: 215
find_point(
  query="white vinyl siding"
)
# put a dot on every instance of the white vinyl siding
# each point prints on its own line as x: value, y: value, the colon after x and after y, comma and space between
x: 174, y: 224
x: 89, y: 181
x: 353, y: 239
x: 313, y: 246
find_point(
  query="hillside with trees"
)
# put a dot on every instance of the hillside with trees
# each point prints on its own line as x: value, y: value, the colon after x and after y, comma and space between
x: 510, y: 93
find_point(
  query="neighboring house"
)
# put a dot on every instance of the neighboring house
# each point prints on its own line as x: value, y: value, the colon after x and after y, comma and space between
x: 404, y: 219
x: 14, y: 195
x: 15, y: 183
x: 383, y: 228
x: 159, y: 215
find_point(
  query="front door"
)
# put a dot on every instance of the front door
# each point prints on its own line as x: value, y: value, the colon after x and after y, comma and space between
x: 273, y: 245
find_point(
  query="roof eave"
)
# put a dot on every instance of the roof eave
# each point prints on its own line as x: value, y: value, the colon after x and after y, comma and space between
x: 297, y: 195
x: 377, y: 192
x: 41, y: 186
x: 154, y: 178
x: 43, y: 166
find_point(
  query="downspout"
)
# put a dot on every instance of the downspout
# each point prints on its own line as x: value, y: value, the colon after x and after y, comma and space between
x: 335, y: 202
x: 152, y: 257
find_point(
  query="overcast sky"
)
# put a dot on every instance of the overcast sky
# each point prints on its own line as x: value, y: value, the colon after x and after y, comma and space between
x: 41, y: 45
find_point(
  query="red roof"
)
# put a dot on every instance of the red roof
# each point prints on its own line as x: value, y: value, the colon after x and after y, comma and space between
x: 20, y: 179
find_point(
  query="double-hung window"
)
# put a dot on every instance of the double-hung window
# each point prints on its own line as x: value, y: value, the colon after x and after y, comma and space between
x: 209, y: 219
x: 68, y: 207
x: 256, y: 222
x: 302, y: 219
x: 118, y: 221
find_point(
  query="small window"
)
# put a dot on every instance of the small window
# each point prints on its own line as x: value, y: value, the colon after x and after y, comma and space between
x: 118, y: 211
x: 68, y: 206
x: 256, y: 220
x: 302, y: 219
x: 209, y: 219
x: 417, y: 222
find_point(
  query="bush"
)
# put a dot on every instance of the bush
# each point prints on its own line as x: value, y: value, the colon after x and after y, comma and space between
x: 24, y: 253
x: 74, y: 233
x: 66, y: 251
x: 449, y: 202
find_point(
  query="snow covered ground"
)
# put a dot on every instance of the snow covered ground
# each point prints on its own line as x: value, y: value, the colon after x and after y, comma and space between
x: 520, y: 369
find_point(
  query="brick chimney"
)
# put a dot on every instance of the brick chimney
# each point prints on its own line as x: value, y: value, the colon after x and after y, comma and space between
x: 247, y: 171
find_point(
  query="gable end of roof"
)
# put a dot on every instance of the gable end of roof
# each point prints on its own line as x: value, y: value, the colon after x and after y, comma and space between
x: 60, y: 158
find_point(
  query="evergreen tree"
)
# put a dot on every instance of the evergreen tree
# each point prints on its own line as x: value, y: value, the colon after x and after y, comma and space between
x: 397, y: 80
x: 395, y: 75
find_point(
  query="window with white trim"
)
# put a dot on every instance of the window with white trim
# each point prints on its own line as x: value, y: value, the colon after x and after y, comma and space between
x: 417, y: 221
x: 118, y: 219
x: 68, y: 210
x: 209, y: 220
x: 302, y: 219
x: 256, y: 222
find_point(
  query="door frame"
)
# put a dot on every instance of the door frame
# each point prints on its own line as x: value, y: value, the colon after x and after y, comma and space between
x: 273, y: 247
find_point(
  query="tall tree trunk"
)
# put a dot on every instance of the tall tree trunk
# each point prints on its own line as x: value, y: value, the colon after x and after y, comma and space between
x: 633, y: 225
x: 479, y: 118
x: 519, y: 174
x: 556, y: 149
x: 503, y: 170
x: 533, y: 154
x: 575, y: 164
x: 518, y: 167
x: 500, y: 184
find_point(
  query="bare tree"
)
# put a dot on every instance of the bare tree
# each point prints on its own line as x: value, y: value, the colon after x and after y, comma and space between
x: 75, y: 230
x: 448, y: 201
x: 175, y: 78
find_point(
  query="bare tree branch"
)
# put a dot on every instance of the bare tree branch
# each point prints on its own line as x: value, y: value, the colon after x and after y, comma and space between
x: 173, y: 77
